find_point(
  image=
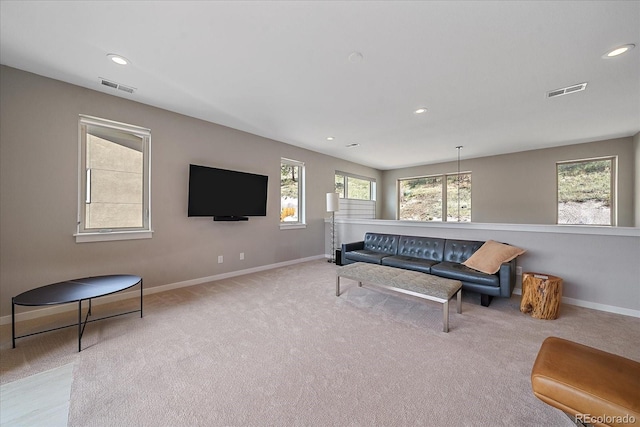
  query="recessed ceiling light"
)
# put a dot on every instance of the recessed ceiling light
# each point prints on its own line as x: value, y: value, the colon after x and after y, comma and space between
x: 120, y: 60
x: 420, y: 110
x: 355, y: 144
x: 619, y: 50
x: 329, y: 138
x: 355, y: 57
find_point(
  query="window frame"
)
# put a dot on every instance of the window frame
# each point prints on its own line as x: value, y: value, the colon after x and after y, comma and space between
x: 301, y: 223
x: 444, y: 194
x: 613, y: 186
x: 118, y: 233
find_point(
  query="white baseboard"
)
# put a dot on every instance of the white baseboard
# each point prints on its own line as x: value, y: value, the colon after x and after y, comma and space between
x: 47, y: 311
x: 594, y: 305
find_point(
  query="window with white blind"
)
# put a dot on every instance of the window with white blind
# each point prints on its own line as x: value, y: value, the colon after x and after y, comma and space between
x: 357, y: 196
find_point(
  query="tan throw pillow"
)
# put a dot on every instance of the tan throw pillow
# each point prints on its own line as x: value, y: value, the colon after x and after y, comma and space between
x: 491, y: 255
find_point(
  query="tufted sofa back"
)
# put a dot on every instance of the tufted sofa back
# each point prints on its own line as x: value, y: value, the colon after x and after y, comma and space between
x: 385, y: 243
x: 421, y: 247
x: 460, y: 250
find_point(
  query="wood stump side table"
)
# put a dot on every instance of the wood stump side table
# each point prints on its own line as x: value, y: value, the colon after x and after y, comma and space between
x: 541, y: 295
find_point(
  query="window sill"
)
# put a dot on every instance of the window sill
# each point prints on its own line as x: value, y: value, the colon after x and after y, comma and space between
x: 112, y: 235
x: 295, y: 226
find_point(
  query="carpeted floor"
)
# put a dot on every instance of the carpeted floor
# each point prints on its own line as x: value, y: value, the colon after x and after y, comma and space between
x: 278, y: 348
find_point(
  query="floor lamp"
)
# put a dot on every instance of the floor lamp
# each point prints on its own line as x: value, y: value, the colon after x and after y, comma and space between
x: 333, y: 206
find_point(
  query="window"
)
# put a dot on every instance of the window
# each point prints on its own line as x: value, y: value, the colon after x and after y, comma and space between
x: 586, y: 191
x: 421, y: 199
x: 357, y: 196
x: 114, y: 181
x: 355, y: 187
x: 459, y: 197
x: 291, y: 193
x: 435, y: 198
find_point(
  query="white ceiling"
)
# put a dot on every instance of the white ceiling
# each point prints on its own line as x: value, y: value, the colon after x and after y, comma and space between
x: 281, y: 69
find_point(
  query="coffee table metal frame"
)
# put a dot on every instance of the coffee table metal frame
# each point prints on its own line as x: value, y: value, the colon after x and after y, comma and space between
x: 77, y: 290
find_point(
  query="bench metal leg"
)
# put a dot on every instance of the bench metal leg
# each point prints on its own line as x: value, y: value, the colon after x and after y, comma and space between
x: 80, y: 329
x: 338, y: 285
x: 445, y: 310
x: 445, y: 316
x: 13, y: 323
x: 141, y: 297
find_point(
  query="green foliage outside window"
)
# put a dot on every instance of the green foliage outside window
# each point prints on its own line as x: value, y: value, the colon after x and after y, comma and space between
x: 340, y: 185
x: 465, y: 197
x: 584, y: 181
x: 291, y: 175
x: 359, y: 188
x: 585, y: 192
x: 288, y: 180
x: 422, y: 199
x: 353, y: 188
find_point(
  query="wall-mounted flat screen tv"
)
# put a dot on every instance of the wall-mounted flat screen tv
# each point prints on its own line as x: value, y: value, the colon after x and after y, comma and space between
x: 226, y: 195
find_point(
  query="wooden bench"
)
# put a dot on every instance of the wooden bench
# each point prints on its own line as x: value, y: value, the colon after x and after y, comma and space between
x: 417, y: 284
x: 592, y: 386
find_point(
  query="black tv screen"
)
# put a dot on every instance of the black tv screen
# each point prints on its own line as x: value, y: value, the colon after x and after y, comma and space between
x: 226, y: 195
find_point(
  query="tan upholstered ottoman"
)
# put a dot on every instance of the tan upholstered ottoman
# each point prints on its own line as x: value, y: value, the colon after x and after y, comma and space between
x: 594, y: 386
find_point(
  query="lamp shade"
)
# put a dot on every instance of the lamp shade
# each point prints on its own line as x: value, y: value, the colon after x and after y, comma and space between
x: 333, y: 202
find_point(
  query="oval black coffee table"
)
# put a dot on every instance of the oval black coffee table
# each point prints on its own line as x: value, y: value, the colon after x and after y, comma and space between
x: 70, y: 291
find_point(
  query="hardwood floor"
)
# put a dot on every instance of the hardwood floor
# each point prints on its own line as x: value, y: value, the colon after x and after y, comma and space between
x: 39, y: 400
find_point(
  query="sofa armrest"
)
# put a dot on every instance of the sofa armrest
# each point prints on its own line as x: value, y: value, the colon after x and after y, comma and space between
x: 507, y: 274
x: 347, y: 247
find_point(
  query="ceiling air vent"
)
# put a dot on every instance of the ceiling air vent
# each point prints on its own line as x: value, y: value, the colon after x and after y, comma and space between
x: 110, y: 84
x: 126, y: 88
x: 567, y: 90
x: 115, y: 85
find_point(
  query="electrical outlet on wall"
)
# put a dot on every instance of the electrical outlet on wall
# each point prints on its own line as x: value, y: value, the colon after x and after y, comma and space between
x: 220, y: 259
x: 241, y: 255
x: 518, y: 271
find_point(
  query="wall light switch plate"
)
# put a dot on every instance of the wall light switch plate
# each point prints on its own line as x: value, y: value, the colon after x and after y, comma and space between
x: 519, y: 271
x: 220, y: 259
x: 241, y: 255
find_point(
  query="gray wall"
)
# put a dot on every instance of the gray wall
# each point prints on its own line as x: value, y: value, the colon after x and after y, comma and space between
x: 39, y: 181
x: 599, y: 265
x: 520, y: 188
x: 636, y: 189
